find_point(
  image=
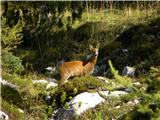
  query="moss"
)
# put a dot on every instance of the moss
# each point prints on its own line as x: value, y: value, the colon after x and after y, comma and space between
x: 76, y: 86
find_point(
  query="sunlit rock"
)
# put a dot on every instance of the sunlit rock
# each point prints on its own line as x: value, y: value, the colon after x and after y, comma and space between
x: 40, y: 81
x: 85, y: 101
x: 78, y: 105
x: 51, y: 85
x: 3, y: 116
x: 112, y: 94
x: 20, y: 110
x: 6, y: 83
x: 137, y: 84
x: 103, y: 79
x: 128, y: 71
x: 51, y: 69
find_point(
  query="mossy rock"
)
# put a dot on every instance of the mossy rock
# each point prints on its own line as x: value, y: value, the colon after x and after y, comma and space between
x: 78, y: 85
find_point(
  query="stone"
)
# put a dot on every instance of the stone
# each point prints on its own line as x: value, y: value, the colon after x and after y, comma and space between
x: 112, y: 94
x: 3, y: 116
x: 78, y: 105
x: 103, y: 79
x: 47, y: 98
x: 20, y: 110
x: 128, y: 71
x: 85, y: 101
x: 104, y: 93
x: 133, y: 102
x: 51, y: 85
x: 117, y: 93
x: 6, y: 83
x: 51, y: 69
x: 137, y: 84
x: 52, y: 80
x: 40, y: 81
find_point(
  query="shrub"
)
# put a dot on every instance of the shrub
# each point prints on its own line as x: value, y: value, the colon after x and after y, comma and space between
x: 11, y: 63
x: 11, y: 37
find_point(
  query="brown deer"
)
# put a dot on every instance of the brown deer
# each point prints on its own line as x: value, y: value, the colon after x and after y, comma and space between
x: 78, y: 68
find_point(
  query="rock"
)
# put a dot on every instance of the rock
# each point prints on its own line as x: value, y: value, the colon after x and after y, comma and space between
x: 134, y: 102
x: 117, y: 107
x: 52, y: 80
x: 62, y: 114
x: 51, y: 85
x: 126, y: 89
x: 137, y: 83
x: 129, y: 89
x: 6, y: 83
x: 40, y: 81
x: 3, y: 116
x: 103, y: 79
x: 117, y: 93
x: 100, y: 70
x: 47, y: 98
x: 128, y: 71
x: 125, y: 51
x: 85, y: 101
x: 51, y: 69
x: 20, y: 110
x: 78, y: 105
x: 113, y: 94
x: 104, y: 93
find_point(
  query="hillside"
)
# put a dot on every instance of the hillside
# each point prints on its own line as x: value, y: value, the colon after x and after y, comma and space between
x: 37, y: 37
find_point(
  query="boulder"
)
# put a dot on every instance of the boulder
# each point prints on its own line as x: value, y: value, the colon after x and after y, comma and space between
x: 3, y: 116
x: 128, y: 71
x: 51, y: 69
x: 6, y: 83
x: 85, y: 101
x: 40, y: 81
x: 103, y: 79
x: 78, y: 105
x: 51, y: 85
x: 112, y: 94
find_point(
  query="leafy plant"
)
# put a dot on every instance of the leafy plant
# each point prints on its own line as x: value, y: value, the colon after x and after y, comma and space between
x: 11, y: 63
x: 11, y: 36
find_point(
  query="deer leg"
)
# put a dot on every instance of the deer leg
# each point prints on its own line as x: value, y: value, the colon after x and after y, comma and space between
x: 63, y: 80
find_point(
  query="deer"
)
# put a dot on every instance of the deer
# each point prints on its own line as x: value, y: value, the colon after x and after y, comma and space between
x: 78, y: 68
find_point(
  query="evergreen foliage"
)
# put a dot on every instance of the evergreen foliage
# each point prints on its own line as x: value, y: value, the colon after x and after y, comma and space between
x: 11, y: 63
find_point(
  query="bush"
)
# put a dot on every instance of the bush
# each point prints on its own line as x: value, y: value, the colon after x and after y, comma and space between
x: 11, y: 63
x: 11, y: 37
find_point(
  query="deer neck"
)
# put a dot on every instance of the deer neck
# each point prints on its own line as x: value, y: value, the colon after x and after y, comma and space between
x: 93, y: 60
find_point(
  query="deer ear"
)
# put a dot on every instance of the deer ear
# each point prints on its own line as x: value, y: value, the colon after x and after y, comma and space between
x: 90, y: 47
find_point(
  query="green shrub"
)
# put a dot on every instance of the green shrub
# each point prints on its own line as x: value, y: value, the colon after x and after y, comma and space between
x: 11, y: 36
x: 11, y: 63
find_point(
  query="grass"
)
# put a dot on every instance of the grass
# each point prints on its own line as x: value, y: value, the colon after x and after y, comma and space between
x: 12, y: 111
x: 108, y: 24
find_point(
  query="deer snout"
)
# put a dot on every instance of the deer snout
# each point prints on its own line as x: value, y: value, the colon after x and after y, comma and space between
x: 96, y: 54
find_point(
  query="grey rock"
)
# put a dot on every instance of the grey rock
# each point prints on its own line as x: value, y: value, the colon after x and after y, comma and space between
x: 128, y: 71
x: 3, y: 116
x: 6, y: 83
x: 78, y: 105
